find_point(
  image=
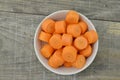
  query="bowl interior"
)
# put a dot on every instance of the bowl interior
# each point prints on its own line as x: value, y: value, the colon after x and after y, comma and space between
x: 60, y: 15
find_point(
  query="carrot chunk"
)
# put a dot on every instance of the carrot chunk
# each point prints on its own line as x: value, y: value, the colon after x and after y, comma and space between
x: 47, y: 50
x: 60, y: 27
x: 80, y: 43
x: 56, y: 59
x: 48, y: 26
x: 80, y: 62
x: 68, y: 64
x: 56, y: 41
x: 72, y: 17
x: 67, y: 39
x: 83, y: 26
x: 91, y: 36
x: 44, y: 36
x: 86, y: 52
x: 74, y: 30
x: 69, y: 53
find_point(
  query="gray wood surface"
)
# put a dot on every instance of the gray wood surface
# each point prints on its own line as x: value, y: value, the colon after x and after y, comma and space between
x: 94, y: 9
x: 19, y: 20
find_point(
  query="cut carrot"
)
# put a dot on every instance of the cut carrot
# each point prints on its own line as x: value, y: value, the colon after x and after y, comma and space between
x: 80, y: 62
x: 68, y: 64
x: 91, y: 36
x: 60, y: 27
x: 48, y: 26
x: 67, y: 39
x: 72, y: 17
x: 56, y: 59
x: 87, y: 51
x: 83, y: 26
x: 56, y: 41
x: 47, y: 50
x: 69, y: 53
x: 80, y: 43
x: 59, y: 52
x: 74, y: 30
x: 44, y: 36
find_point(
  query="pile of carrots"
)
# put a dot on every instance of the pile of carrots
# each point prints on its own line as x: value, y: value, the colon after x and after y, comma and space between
x: 68, y: 41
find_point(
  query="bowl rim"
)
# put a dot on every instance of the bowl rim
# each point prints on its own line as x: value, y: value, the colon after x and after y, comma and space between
x: 37, y: 54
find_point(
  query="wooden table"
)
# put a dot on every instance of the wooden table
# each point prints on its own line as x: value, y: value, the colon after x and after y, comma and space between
x: 19, y: 20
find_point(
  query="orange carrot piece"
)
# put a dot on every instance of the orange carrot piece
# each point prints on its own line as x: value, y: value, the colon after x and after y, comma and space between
x: 56, y: 41
x: 67, y: 39
x: 86, y: 52
x: 80, y: 43
x: 69, y: 53
x: 59, y: 52
x: 48, y: 26
x: 91, y: 36
x: 83, y: 26
x: 56, y: 59
x: 47, y: 50
x: 60, y: 27
x: 44, y: 36
x: 74, y: 30
x: 72, y: 17
x: 68, y: 64
x: 80, y: 62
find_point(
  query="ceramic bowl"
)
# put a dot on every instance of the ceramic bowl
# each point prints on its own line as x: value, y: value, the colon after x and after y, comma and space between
x: 60, y: 15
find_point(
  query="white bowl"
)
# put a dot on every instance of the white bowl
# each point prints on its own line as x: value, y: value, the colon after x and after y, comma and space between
x: 60, y: 15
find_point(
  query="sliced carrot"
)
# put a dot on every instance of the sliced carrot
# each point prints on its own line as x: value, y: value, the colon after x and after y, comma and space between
x: 47, y: 50
x: 80, y: 62
x: 48, y: 26
x: 60, y: 27
x: 56, y: 59
x: 80, y: 43
x: 83, y: 26
x: 67, y: 39
x: 91, y: 36
x: 87, y: 51
x: 56, y: 41
x: 69, y: 53
x: 59, y: 52
x: 72, y: 17
x: 74, y: 30
x: 68, y: 64
x: 44, y: 36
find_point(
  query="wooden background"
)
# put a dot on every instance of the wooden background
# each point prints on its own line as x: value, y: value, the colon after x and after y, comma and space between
x: 19, y: 20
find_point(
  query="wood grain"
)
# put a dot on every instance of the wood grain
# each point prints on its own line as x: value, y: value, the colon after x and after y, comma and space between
x: 96, y: 9
x: 19, y: 62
